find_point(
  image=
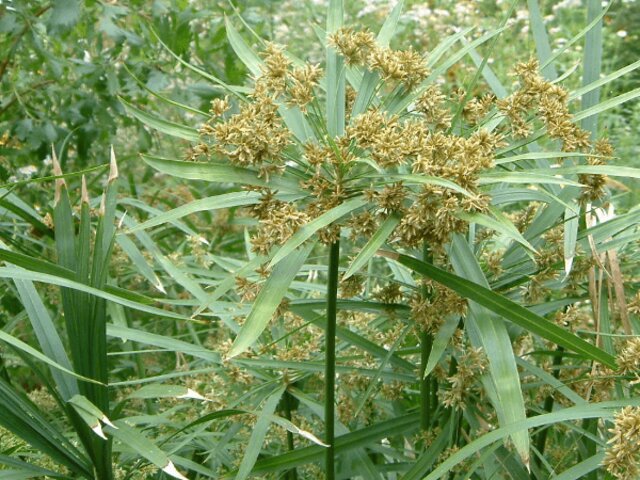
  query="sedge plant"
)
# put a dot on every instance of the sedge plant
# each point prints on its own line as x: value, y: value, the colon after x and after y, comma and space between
x: 448, y: 255
x: 71, y: 424
x: 370, y: 148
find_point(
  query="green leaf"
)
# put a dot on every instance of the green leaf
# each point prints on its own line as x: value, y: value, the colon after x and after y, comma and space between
x: 284, y: 423
x: 580, y: 412
x: 607, y: 104
x: 258, y: 434
x: 372, y: 246
x: 604, y: 80
x: 581, y: 469
x: 318, y: 366
x: 571, y: 225
x: 388, y: 29
x: 305, y: 232
x: 370, y: 78
x: 144, y: 447
x: 506, y: 308
x: 268, y: 300
x: 402, y: 425
x: 112, y: 295
x: 158, y: 390
x: 65, y: 13
x: 165, y: 99
x: 163, y: 126
x: 31, y: 265
x: 424, y: 180
x: 446, y: 45
x: 538, y: 155
x: 514, y: 195
x: 491, y: 333
x: 219, y: 173
x: 226, y: 200
x: 440, y: 342
x: 20, y: 345
x: 251, y: 60
x: 611, y: 170
x: 496, y: 86
x: 499, y: 223
x: 137, y: 258
x: 566, y: 45
x: 233, y: 89
x: 169, y: 344
x: 26, y: 470
x: 335, y: 74
x: 90, y: 414
x: 552, y: 381
x: 592, y: 61
x: 525, y: 177
x: 20, y: 416
x: 47, y: 335
x: 541, y: 40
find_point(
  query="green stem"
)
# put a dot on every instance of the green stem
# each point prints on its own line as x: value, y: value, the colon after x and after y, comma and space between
x: 541, y: 437
x: 426, y: 342
x: 330, y: 360
x: 291, y: 474
x: 455, y: 433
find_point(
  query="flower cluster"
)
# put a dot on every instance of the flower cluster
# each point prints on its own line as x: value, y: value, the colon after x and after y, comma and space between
x: 628, y: 359
x: 550, y: 103
x: 397, y: 66
x: 379, y: 144
x: 622, y: 458
x: 278, y: 221
x: 429, y: 311
x: 470, y: 365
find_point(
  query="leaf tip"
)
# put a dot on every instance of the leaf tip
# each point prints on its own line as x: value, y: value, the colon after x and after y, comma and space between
x: 57, y: 171
x: 170, y: 469
x: 97, y: 429
x: 113, y: 166
x: 84, y: 195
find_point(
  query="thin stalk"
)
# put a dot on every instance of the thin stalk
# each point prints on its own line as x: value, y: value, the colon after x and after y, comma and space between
x: 3, y: 372
x: 589, y: 425
x: 330, y: 360
x: 286, y: 400
x: 426, y: 343
x: 541, y: 437
x: 453, y: 368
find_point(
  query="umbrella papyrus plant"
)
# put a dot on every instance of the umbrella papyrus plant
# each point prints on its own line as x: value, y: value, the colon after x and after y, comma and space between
x: 480, y: 191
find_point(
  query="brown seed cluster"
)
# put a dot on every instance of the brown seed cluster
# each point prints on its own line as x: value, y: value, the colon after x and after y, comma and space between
x: 421, y: 143
x: 429, y: 311
x: 595, y: 184
x: 406, y: 67
x: 278, y: 220
x: 622, y: 459
x: 470, y: 365
x: 354, y: 46
x: 540, y: 98
x: 254, y: 136
x: 628, y: 359
x: 429, y: 212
